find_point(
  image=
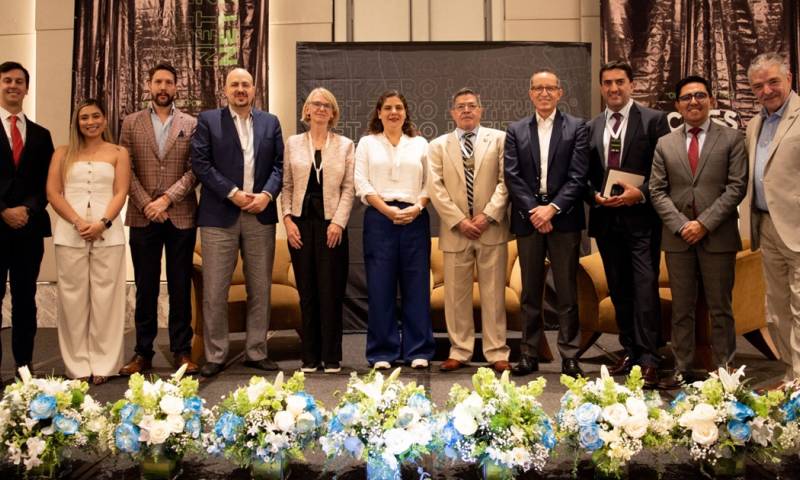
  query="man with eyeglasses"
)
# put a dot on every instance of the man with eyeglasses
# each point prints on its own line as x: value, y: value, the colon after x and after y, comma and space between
x: 545, y: 167
x: 699, y: 178
x: 624, y: 225
x: 772, y: 141
x: 466, y: 186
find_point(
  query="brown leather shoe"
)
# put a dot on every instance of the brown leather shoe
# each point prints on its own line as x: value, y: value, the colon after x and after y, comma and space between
x: 650, y: 377
x: 451, y: 364
x: 501, y: 366
x: 138, y: 364
x: 191, y: 367
x: 621, y: 367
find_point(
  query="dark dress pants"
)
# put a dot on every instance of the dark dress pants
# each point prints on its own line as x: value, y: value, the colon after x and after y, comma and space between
x: 21, y: 253
x: 147, y: 244
x: 321, y: 275
x: 398, y: 254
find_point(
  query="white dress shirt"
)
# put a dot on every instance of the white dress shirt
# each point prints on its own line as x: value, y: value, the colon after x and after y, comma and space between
x: 701, y: 135
x: 545, y: 127
x: 623, y: 125
x: 395, y: 173
x: 21, y: 124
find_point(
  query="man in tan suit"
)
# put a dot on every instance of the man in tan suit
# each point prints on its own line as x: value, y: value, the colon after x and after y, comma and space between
x: 161, y: 214
x: 467, y: 189
x: 772, y: 142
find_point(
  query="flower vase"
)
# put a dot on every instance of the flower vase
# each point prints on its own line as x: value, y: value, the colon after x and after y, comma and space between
x: 377, y: 469
x: 276, y: 469
x: 158, y: 465
x: 494, y: 471
x: 728, y: 467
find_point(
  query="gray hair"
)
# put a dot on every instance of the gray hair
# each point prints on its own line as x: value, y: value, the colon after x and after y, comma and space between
x: 465, y: 91
x: 766, y: 60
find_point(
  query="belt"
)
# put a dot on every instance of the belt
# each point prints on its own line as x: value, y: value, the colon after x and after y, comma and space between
x: 542, y: 198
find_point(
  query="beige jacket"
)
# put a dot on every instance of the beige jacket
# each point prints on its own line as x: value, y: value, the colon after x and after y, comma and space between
x: 337, y: 176
x: 448, y: 190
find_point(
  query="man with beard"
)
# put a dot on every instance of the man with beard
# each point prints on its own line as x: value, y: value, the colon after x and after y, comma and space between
x: 161, y: 215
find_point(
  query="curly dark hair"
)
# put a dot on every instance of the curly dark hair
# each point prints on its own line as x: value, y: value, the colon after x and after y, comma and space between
x: 375, y: 125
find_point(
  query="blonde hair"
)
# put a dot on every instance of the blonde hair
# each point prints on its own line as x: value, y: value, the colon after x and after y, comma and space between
x: 76, y: 140
x: 305, y: 117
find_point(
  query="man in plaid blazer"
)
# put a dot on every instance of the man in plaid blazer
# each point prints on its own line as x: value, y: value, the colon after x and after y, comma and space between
x: 161, y: 215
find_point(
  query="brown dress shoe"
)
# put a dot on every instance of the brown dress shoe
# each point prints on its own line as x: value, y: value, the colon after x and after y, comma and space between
x: 622, y: 367
x: 451, y: 364
x: 191, y: 367
x: 501, y: 366
x: 138, y: 364
x: 650, y: 377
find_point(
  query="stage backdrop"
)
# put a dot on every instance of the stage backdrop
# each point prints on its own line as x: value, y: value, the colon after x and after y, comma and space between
x: 118, y: 41
x: 666, y: 40
x: 428, y: 74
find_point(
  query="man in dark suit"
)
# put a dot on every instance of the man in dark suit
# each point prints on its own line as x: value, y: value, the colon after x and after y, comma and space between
x: 25, y: 151
x: 237, y: 154
x: 545, y: 173
x: 699, y: 178
x: 625, y: 226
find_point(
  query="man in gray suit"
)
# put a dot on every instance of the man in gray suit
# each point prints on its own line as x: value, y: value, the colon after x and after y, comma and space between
x: 699, y: 177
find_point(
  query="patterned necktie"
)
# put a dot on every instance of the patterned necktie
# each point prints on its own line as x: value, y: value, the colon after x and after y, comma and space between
x: 16, y: 140
x: 694, y: 149
x: 613, y: 154
x: 467, y: 150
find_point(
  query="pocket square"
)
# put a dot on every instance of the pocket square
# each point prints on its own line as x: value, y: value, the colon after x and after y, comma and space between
x: 181, y: 134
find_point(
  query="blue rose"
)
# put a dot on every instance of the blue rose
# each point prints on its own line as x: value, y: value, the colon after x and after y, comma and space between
x: 740, y: 411
x: 128, y: 413
x: 42, y: 407
x: 228, y: 426
x: 347, y: 413
x: 587, y: 414
x: 590, y: 437
x: 740, y: 431
x: 311, y: 405
x: 65, y: 425
x: 126, y: 438
x: 193, y: 404
x: 789, y: 412
x: 420, y: 403
x: 548, y: 437
x: 335, y: 425
x: 193, y: 426
x: 450, y: 435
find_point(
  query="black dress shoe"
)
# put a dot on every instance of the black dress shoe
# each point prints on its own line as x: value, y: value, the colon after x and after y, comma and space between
x: 622, y: 367
x: 263, y: 364
x: 675, y: 381
x: 210, y: 369
x: 650, y: 377
x: 570, y: 366
x: 525, y: 366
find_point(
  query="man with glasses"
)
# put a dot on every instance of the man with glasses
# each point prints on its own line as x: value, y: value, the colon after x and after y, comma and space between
x: 545, y: 170
x: 772, y: 141
x: 466, y: 187
x: 699, y: 178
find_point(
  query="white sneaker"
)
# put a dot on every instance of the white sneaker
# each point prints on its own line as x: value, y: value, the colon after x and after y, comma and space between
x: 419, y: 363
x: 333, y: 367
x: 382, y: 365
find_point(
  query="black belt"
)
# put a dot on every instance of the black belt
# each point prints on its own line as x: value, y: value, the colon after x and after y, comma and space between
x: 542, y: 198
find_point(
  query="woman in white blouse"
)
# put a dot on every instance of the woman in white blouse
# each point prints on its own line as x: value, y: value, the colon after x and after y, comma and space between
x: 390, y: 178
x: 87, y: 185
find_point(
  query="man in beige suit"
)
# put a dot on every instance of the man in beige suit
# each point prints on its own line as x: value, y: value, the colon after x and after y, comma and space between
x: 467, y: 189
x: 772, y: 142
x: 699, y: 178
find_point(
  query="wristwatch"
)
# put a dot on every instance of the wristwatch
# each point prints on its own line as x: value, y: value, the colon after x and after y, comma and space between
x: 106, y: 222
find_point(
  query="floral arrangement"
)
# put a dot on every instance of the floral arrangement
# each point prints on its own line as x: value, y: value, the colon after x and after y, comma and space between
x: 382, y: 421
x: 720, y: 419
x: 265, y: 421
x: 610, y: 421
x: 40, y: 418
x: 157, y: 418
x: 498, y: 423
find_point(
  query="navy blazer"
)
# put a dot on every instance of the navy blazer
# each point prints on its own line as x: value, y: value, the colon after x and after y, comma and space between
x: 26, y: 185
x: 218, y: 163
x: 645, y: 127
x: 567, y: 167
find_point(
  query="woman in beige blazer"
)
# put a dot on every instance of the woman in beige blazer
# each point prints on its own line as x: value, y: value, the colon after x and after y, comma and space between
x: 316, y: 200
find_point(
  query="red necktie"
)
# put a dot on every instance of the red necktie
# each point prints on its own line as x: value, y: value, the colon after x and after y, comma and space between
x: 612, y: 158
x: 16, y: 140
x: 694, y: 149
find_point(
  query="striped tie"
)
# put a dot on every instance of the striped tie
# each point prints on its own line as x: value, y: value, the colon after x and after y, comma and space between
x: 467, y: 150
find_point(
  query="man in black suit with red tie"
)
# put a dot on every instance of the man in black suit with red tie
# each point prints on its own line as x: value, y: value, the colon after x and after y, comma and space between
x: 25, y: 151
x: 625, y: 226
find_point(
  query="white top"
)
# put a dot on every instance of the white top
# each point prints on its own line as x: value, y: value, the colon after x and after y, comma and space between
x: 21, y: 124
x: 88, y: 189
x: 244, y: 127
x: 545, y: 127
x: 394, y: 173
x: 623, y: 125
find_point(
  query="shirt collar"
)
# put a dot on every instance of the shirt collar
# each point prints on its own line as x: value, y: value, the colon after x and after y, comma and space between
x: 234, y: 115
x: 779, y: 112
x: 704, y: 127
x: 625, y: 111
x: 4, y: 114
x: 171, y: 109
x: 460, y: 132
x: 551, y: 117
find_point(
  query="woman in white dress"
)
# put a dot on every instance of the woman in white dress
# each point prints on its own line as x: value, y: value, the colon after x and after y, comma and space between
x: 87, y: 186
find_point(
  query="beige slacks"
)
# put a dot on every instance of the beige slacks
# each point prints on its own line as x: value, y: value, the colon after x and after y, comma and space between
x: 458, y: 273
x: 91, y: 309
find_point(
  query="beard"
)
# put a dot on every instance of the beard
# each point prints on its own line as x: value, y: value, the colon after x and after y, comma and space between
x: 163, y: 99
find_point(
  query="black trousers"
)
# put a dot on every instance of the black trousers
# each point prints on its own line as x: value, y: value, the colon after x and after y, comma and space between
x: 321, y: 275
x: 146, y: 246
x: 21, y: 253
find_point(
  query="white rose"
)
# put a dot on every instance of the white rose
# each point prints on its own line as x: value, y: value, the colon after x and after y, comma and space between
x: 609, y: 436
x: 175, y: 423
x: 159, y: 432
x: 636, y: 426
x: 615, y: 414
x: 636, y: 407
x: 421, y: 433
x: 520, y: 456
x: 284, y: 420
x: 295, y: 404
x: 255, y: 390
x: 705, y: 433
x: 398, y: 441
x: 150, y: 389
x: 473, y: 404
x: 702, y: 413
x: 465, y: 423
x: 171, y: 405
x: 305, y: 422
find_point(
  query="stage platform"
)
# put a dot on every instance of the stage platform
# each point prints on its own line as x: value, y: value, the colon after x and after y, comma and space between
x: 284, y: 347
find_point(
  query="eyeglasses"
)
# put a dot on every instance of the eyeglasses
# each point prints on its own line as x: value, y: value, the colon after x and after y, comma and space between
x: 539, y: 89
x: 322, y: 105
x: 698, y: 97
x: 461, y: 107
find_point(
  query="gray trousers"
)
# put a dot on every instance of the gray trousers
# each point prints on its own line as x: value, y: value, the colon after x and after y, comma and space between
x: 220, y: 247
x: 717, y: 273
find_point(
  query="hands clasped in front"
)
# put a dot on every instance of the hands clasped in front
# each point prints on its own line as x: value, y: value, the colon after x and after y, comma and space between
x: 474, y: 227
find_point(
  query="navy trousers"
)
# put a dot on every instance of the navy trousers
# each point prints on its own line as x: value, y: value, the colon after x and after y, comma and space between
x: 398, y: 255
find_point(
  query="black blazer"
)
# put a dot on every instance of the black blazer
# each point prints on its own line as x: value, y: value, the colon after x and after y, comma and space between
x: 566, y: 171
x: 645, y: 127
x: 218, y: 163
x: 26, y: 185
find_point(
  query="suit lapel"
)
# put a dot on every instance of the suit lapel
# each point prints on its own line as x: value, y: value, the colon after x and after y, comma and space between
x: 597, y: 137
x: 534, y: 144
x: 146, y: 125
x: 555, y: 138
x: 790, y: 115
x: 175, y: 129
x: 259, y: 123
x: 303, y: 164
x: 228, y: 127
x: 681, y: 153
x: 708, y: 146
x: 5, y: 146
x: 454, y: 155
x: 632, y: 130
x: 481, y: 145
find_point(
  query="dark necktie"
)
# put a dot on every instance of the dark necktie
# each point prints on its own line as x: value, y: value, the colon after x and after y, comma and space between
x: 467, y: 150
x: 614, y: 151
x: 694, y: 148
x: 16, y: 140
